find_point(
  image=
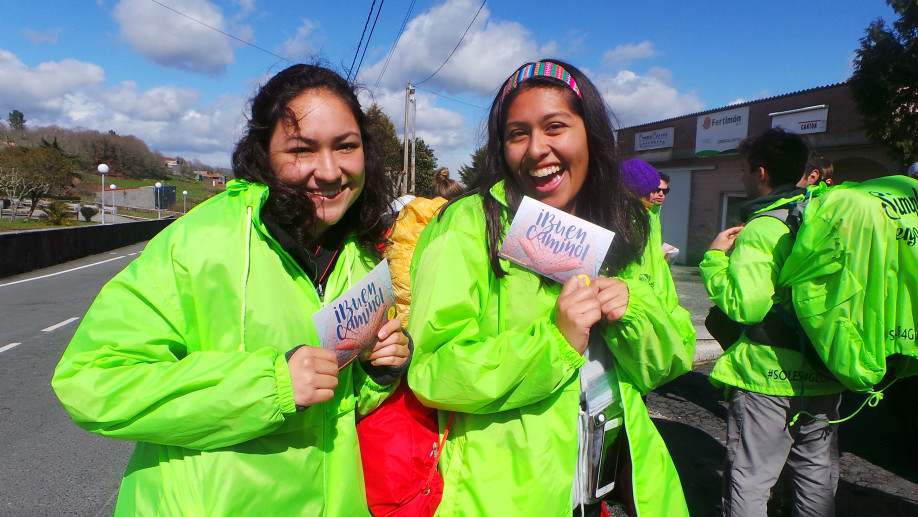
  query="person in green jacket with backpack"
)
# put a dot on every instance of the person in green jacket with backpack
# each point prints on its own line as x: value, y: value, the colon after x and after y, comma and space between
x: 767, y: 374
x: 203, y: 350
x: 503, y: 349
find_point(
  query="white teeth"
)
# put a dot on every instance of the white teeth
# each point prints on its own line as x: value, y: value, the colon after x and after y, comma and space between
x: 545, y: 171
x: 326, y: 193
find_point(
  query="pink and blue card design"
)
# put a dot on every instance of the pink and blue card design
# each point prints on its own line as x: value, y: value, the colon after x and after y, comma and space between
x: 554, y: 243
x: 349, y: 325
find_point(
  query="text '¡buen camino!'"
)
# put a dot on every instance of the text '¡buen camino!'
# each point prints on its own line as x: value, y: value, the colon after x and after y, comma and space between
x: 559, y: 238
x: 360, y: 310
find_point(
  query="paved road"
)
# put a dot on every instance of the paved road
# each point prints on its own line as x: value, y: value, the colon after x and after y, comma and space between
x: 49, y: 466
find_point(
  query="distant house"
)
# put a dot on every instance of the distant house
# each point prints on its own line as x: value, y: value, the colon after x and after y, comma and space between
x: 214, y: 179
x: 171, y: 163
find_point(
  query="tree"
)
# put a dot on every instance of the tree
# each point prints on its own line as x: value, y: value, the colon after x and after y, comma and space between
x: 47, y: 168
x: 30, y: 173
x: 425, y: 165
x: 469, y: 174
x: 88, y: 212
x: 128, y: 156
x: 57, y: 213
x: 17, y: 120
x: 390, y: 147
x: 885, y: 81
x: 12, y: 179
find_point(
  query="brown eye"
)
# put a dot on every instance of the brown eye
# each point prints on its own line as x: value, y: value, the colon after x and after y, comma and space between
x: 515, y: 134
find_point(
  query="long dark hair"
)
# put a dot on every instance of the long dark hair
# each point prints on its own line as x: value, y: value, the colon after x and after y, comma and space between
x: 603, y: 198
x: 287, y: 205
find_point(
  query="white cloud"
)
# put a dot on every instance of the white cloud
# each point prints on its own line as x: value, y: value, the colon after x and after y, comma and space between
x: 636, y: 99
x: 169, y: 39
x: 756, y: 96
x: 246, y: 7
x: 167, y: 118
x: 39, y: 37
x: 299, y: 46
x: 489, y: 50
x: 488, y: 53
x: 624, y: 54
x: 25, y: 88
x: 159, y: 103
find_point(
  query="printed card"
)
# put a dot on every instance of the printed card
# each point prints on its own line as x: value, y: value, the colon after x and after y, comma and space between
x: 554, y: 243
x: 349, y: 324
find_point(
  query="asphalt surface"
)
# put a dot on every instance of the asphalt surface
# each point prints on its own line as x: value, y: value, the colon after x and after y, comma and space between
x: 49, y: 466
x: 879, y: 446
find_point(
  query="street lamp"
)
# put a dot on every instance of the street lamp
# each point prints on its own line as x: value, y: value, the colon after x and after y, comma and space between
x: 114, y: 210
x: 103, y: 169
x: 184, y: 201
x: 159, y: 186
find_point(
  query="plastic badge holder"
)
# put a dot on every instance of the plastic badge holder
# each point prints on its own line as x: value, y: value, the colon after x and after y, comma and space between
x: 604, y: 437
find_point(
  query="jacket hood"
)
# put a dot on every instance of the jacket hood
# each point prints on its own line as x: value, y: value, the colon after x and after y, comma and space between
x: 780, y: 193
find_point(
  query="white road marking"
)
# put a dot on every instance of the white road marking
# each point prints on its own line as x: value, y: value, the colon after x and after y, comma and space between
x: 59, y: 325
x: 7, y: 347
x: 67, y: 270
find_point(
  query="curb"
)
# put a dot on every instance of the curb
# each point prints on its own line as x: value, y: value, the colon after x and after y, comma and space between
x: 706, y: 350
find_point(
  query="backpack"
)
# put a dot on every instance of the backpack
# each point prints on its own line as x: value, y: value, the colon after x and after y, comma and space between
x: 853, y: 274
x: 400, y: 441
x: 779, y: 327
x: 400, y: 446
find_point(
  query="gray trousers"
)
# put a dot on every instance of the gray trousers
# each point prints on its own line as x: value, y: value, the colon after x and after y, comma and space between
x: 760, y: 442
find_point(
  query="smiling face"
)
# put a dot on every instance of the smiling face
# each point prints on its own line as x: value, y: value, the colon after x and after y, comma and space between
x: 545, y: 146
x: 320, y: 154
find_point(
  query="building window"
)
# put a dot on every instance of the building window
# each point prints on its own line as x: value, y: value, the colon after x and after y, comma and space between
x: 730, y: 210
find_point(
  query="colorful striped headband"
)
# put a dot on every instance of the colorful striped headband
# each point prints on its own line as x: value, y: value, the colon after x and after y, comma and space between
x: 540, y: 69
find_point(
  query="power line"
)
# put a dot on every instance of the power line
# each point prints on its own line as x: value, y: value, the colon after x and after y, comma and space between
x: 457, y: 44
x: 395, y: 44
x: 372, y: 30
x: 448, y: 98
x: 360, y: 44
x: 220, y: 31
x: 404, y: 23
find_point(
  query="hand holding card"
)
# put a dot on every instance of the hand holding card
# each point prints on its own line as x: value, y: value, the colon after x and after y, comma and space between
x: 350, y: 325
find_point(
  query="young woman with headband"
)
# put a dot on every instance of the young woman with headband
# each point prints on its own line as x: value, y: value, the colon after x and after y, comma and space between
x: 505, y: 349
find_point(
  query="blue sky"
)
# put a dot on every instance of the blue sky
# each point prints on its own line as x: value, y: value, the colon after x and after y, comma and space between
x: 178, y: 73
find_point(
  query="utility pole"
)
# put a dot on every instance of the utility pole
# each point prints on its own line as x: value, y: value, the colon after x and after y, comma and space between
x: 414, y: 115
x: 403, y: 184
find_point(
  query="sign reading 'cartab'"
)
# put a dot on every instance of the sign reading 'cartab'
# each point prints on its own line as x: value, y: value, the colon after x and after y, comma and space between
x: 802, y: 121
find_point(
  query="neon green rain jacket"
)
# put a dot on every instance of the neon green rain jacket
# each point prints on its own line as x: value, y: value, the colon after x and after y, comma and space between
x: 183, y: 352
x: 854, y: 273
x: 743, y: 285
x: 488, y: 349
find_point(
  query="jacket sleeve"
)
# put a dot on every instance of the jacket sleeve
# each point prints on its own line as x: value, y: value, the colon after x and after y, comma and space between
x: 370, y: 394
x: 457, y: 365
x: 743, y: 284
x: 127, y: 372
x: 655, y: 341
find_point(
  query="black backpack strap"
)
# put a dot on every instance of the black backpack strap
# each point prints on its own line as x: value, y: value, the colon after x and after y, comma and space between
x: 780, y: 328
